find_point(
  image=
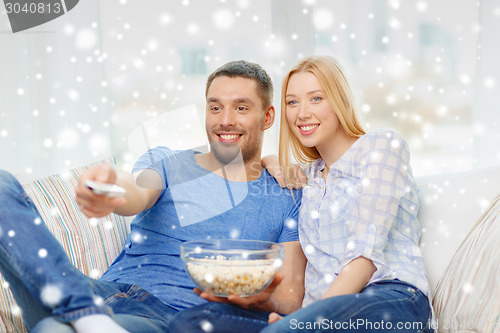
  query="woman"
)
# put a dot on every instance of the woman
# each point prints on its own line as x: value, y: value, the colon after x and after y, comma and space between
x: 358, y: 222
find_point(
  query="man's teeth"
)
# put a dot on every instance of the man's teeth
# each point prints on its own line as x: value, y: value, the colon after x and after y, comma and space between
x: 229, y: 136
x: 308, y: 128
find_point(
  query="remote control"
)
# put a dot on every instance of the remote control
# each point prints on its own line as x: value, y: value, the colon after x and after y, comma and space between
x: 109, y: 190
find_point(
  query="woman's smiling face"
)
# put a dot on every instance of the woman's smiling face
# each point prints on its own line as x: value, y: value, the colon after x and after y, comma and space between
x: 309, y: 113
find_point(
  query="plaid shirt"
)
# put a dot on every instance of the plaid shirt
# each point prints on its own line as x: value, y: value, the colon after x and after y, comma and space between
x: 367, y: 207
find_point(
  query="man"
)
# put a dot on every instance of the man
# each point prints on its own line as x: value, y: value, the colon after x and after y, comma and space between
x: 177, y: 196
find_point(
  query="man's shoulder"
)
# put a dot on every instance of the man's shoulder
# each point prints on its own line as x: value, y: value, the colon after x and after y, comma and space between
x: 163, y: 153
x: 273, y: 188
x: 168, y: 151
x: 159, y: 157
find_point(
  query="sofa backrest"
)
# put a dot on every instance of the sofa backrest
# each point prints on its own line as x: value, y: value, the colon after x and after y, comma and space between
x: 450, y: 205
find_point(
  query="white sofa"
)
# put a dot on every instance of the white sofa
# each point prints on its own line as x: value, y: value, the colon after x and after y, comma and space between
x: 450, y: 205
x: 460, y: 248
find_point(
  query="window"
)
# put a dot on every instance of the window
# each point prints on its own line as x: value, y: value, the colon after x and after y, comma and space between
x: 75, y: 89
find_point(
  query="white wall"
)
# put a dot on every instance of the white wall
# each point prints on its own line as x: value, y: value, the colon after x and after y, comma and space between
x: 73, y: 90
x: 487, y: 88
x: 52, y: 112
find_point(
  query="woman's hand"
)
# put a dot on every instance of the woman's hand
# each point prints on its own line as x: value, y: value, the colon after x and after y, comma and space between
x: 262, y: 301
x: 271, y: 163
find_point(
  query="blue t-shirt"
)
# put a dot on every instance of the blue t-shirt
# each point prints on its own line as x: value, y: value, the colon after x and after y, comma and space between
x: 197, y: 204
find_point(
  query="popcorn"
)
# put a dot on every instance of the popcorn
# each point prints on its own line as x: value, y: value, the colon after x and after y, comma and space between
x: 223, y: 277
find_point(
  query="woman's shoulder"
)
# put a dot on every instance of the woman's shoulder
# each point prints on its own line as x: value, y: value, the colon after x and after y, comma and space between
x: 383, y: 138
x: 312, y: 168
x: 383, y: 134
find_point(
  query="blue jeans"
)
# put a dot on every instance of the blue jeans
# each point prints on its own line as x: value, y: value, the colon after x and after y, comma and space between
x: 48, y: 288
x: 217, y: 318
x: 386, y: 306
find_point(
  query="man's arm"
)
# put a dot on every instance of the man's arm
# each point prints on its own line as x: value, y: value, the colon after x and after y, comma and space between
x: 289, y: 294
x: 141, y: 194
x: 143, y: 190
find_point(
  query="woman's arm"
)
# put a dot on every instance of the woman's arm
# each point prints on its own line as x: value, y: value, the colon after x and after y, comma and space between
x: 352, y: 278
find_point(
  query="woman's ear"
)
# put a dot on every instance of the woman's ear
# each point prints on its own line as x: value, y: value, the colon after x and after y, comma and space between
x: 268, y: 118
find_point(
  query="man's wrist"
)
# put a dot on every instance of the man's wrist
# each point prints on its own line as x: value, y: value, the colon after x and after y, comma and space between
x: 273, y: 306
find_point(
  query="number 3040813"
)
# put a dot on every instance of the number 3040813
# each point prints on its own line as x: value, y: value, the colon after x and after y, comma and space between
x: 33, y: 8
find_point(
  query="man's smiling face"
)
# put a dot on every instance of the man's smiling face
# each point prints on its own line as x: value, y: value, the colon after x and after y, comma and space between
x: 235, y: 119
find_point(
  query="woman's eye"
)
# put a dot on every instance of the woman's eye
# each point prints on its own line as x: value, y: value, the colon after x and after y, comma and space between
x: 291, y: 103
x: 316, y: 99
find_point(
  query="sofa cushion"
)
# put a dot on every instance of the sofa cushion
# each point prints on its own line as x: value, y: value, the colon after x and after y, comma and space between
x: 466, y: 298
x: 91, y: 244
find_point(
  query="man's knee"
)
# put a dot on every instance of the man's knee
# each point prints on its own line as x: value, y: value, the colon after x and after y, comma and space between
x: 6, y: 177
x: 52, y: 325
x: 8, y: 184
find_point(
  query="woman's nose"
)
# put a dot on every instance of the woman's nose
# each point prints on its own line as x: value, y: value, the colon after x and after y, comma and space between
x: 304, y: 112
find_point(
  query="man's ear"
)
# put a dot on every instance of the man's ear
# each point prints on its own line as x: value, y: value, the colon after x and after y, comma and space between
x: 268, y: 118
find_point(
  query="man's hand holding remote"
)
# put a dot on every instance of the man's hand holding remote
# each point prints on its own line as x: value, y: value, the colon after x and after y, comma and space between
x: 96, y: 194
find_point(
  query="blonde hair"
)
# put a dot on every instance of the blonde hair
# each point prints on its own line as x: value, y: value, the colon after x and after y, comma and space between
x: 338, y: 93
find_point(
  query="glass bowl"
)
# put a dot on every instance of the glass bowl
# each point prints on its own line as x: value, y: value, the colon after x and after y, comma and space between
x: 231, y: 266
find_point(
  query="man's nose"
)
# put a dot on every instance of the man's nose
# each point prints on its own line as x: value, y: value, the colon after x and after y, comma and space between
x: 228, y: 118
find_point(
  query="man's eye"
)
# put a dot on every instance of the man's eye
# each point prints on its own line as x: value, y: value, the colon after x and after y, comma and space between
x: 241, y: 108
x: 215, y: 108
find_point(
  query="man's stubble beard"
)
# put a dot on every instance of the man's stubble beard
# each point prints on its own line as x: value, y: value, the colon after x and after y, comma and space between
x: 231, y: 153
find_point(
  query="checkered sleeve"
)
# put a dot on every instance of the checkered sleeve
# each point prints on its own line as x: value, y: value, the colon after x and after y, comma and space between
x: 384, y: 179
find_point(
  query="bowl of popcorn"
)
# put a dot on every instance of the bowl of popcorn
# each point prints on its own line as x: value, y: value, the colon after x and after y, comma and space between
x: 232, y: 266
